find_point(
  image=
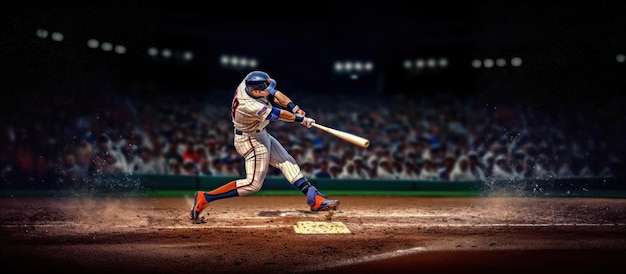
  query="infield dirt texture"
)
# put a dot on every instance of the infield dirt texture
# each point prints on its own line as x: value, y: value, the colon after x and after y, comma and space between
x: 255, y: 234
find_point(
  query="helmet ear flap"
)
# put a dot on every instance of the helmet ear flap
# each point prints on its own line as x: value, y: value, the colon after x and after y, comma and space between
x: 272, y: 85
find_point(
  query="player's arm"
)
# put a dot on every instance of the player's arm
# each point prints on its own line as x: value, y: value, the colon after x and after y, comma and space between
x: 284, y: 115
x: 284, y: 101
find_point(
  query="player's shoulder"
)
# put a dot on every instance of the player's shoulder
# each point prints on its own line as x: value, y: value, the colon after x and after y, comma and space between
x: 249, y: 104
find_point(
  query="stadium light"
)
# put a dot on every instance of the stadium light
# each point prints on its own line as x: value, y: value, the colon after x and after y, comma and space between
x: 41, y: 33
x: 237, y: 62
x: 353, y: 69
x: 57, y: 36
x: 476, y: 63
x: 106, y: 46
x: 119, y: 49
x: 93, y: 43
x: 516, y: 61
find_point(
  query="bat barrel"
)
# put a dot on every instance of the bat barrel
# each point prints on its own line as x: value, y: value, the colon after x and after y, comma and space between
x: 349, y: 137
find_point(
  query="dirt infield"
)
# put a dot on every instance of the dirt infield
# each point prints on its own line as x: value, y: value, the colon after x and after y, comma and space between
x: 256, y: 234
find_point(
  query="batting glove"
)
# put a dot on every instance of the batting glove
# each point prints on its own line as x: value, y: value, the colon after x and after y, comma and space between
x: 298, y: 110
x: 307, y: 122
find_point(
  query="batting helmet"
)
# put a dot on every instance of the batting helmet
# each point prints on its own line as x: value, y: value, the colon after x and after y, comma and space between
x: 258, y: 80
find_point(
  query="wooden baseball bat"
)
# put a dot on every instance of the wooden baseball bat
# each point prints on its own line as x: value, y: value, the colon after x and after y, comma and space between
x: 349, y: 137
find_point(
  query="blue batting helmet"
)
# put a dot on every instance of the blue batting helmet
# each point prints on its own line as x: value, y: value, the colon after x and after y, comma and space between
x: 258, y: 80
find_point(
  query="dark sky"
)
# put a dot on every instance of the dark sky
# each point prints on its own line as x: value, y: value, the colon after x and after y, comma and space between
x: 299, y: 40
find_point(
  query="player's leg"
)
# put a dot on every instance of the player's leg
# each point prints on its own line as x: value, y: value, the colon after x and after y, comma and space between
x: 314, y: 198
x: 202, y: 199
x: 256, y: 157
x: 281, y: 159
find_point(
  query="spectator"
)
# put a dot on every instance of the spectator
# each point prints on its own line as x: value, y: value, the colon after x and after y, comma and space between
x: 347, y: 156
x: 502, y: 170
x: 429, y: 171
x: 372, y: 166
x: 231, y: 153
x: 409, y: 171
x: 175, y: 167
x: 128, y: 149
x: 230, y: 167
x: 83, y: 153
x: 157, y: 160
x: 348, y: 171
x: 205, y: 168
x: 190, y: 153
x: 335, y: 170
x: 142, y: 164
x: 518, y: 163
x: 212, y: 151
x: 362, y: 171
x: 475, y: 166
x: 610, y: 168
x: 323, y: 170
x: 308, y: 170
x: 446, y: 168
x: 239, y: 166
x: 172, y: 153
x: 102, y: 159
x: 397, y: 163
x: 218, y: 167
x: 545, y: 167
x: 72, y: 174
x: 202, y: 153
x: 462, y: 172
x: 298, y: 153
x: 189, y: 168
x: 489, y: 161
x: 530, y: 170
x: 586, y: 172
x: 565, y: 171
x: 385, y: 170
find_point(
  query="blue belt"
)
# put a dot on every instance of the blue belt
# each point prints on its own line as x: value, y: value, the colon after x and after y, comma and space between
x: 239, y: 132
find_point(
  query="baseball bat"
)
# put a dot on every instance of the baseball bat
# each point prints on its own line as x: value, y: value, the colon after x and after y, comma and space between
x: 349, y: 137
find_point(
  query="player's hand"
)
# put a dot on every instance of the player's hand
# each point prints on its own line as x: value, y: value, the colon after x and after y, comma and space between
x: 307, y: 122
x: 298, y: 111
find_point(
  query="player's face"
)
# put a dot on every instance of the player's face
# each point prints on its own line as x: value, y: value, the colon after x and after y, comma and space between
x: 259, y: 86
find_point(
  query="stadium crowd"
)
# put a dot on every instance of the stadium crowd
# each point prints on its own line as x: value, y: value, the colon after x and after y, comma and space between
x: 61, y: 141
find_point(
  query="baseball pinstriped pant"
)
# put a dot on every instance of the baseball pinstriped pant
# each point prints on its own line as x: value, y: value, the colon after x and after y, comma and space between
x: 260, y: 151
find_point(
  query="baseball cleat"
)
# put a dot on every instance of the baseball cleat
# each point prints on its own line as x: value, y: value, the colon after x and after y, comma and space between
x: 199, y: 204
x: 326, y: 205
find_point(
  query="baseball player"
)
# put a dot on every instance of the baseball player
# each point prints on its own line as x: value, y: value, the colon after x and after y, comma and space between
x: 251, y: 112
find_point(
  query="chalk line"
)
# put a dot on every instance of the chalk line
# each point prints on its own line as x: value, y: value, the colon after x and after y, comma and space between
x: 362, y: 259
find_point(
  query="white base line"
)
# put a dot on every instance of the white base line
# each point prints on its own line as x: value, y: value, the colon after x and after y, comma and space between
x: 370, y: 258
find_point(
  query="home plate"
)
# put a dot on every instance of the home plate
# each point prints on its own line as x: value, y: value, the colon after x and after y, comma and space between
x: 321, y: 228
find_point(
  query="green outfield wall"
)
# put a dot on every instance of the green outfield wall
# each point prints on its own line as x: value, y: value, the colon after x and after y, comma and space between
x: 186, y: 182
x: 175, y: 185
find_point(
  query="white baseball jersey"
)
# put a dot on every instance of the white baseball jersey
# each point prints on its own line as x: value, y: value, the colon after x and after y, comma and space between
x: 256, y: 145
x: 248, y: 113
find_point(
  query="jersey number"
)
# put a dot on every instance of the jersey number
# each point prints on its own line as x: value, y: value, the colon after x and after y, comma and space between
x: 234, y: 107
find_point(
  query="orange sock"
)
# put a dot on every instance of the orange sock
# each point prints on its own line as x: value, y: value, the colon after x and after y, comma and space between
x: 223, y: 189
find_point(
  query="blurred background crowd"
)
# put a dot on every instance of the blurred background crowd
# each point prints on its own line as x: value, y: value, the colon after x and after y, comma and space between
x: 62, y: 141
